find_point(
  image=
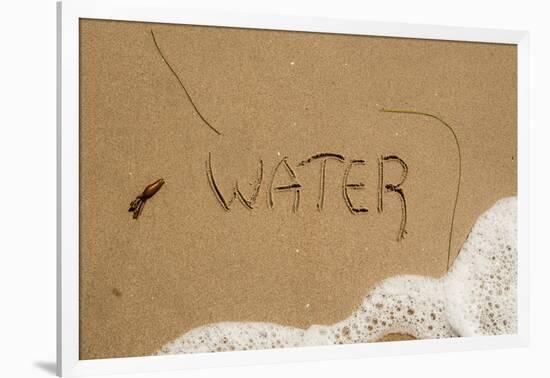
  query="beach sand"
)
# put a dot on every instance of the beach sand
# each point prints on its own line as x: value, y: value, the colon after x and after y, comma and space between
x: 186, y: 262
x: 476, y: 297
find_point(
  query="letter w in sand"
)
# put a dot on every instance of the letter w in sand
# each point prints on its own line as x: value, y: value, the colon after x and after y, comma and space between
x: 226, y: 203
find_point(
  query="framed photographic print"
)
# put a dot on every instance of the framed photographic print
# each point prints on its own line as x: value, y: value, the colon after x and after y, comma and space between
x: 250, y: 188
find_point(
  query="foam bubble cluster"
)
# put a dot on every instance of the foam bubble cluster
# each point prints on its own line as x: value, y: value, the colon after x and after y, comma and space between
x: 476, y: 297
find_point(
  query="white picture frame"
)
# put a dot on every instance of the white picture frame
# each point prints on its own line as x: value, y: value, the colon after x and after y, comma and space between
x: 170, y: 11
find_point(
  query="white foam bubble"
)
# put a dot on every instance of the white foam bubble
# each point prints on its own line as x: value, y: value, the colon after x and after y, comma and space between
x: 476, y: 297
x: 229, y: 336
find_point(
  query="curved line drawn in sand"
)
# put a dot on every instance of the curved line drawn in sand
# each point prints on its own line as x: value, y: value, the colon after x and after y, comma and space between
x: 414, y: 112
x: 182, y: 86
x: 476, y: 297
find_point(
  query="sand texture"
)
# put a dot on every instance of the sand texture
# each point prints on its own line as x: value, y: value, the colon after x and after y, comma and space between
x: 477, y: 297
x: 186, y: 261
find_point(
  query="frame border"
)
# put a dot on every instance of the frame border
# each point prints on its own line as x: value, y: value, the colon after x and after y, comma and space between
x: 69, y: 12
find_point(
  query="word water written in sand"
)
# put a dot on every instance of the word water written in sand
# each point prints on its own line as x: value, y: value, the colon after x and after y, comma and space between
x: 284, y: 170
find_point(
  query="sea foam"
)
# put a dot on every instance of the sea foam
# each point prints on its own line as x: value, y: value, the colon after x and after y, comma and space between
x: 476, y: 297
